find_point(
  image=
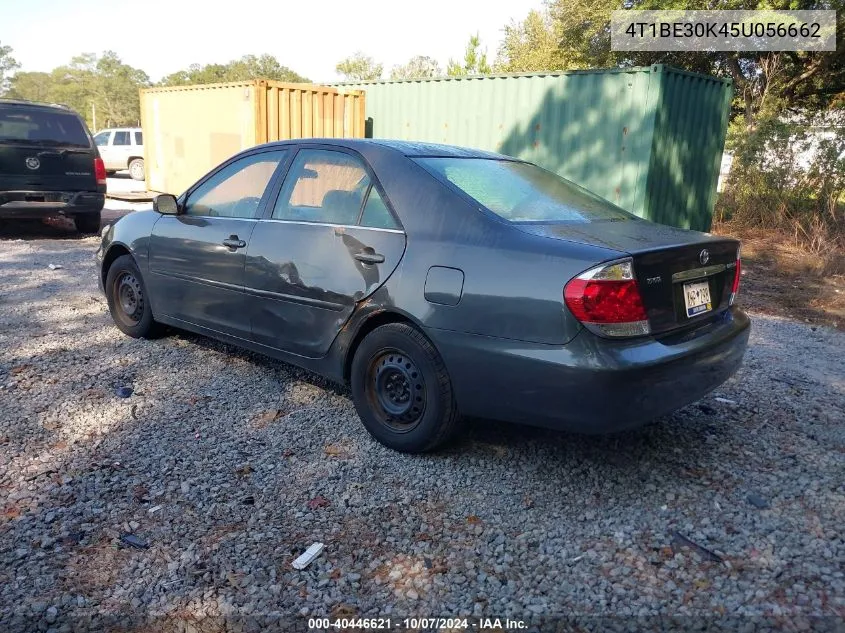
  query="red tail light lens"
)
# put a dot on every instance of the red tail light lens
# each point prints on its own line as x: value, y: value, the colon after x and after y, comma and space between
x: 737, y: 273
x: 607, y: 300
x: 100, y: 171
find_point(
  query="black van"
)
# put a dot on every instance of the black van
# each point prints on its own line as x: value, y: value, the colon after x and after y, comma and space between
x: 49, y: 165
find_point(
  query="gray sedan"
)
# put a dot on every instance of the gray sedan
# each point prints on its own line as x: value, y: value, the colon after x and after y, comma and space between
x: 437, y: 282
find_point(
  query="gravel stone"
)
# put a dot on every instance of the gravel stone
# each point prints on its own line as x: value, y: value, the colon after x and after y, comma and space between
x: 757, y: 501
x: 507, y: 521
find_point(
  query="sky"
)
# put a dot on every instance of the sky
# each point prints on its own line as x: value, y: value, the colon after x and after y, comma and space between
x: 308, y: 36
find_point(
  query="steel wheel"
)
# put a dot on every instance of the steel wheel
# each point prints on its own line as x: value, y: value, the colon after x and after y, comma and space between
x: 396, y: 391
x: 136, y: 169
x: 129, y: 299
x: 402, y: 390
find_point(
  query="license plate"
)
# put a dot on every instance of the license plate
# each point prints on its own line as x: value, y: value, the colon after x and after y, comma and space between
x: 697, y: 298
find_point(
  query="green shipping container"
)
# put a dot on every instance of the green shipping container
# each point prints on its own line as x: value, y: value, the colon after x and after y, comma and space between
x: 648, y: 139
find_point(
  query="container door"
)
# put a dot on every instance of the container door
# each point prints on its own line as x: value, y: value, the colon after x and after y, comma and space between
x: 329, y: 243
x: 197, y: 257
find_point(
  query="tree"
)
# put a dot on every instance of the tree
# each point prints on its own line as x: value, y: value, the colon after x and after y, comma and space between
x: 359, y: 67
x: 35, y: 86
x: 530, y: 45
x: 246, y: 68
x: 418, y: 67
x: 7, y: 65
x: 105, y: 83
x: 475, y: 61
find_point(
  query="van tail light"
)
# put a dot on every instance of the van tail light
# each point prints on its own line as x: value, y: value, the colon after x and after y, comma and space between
x: 737, y: 273
x: 100, y: 171
x: 607, y: 301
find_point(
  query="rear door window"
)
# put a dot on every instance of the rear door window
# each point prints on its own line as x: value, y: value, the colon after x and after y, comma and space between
x: 121, y: 137
x: 102, y: 139
x: 41, y: 127
x: 376, y: 214
x: 323, y: 186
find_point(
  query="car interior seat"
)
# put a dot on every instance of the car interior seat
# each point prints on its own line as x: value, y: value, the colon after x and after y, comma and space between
x: 341, y: 207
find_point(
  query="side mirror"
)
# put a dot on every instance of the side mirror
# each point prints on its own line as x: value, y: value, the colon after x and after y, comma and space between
x: 166, y: 204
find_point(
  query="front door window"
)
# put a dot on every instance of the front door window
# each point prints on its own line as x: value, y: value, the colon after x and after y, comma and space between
x: 235, y: 190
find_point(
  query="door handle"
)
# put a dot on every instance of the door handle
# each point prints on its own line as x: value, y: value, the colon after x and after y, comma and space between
x: 368, y: 257
x: 234, y: 242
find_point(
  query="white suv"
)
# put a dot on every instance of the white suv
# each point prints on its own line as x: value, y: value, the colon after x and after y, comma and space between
x: 122, y: 148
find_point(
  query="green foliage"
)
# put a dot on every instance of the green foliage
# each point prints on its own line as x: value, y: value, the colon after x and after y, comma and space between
x: 103, y: 83
x: 418, y: 67
x: 474, y: 63
x: 359, y: 67
x: 790, y: 176
x: 530, y: 45
x: 7, y: 65
x: 35, y: 86
x: 246, y: 68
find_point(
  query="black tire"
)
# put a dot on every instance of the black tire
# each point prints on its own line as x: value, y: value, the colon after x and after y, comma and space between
x: 136, y: 168
x: 127, y: 298
x: 402, y: 390
x: 88, y: 223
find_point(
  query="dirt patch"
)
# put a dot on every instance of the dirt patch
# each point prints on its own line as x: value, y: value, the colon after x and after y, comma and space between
x: 782, y: 279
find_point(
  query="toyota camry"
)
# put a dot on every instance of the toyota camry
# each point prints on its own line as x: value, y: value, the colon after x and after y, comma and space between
x: 436, y: 282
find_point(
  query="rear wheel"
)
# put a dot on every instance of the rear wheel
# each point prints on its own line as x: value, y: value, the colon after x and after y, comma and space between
x: 402, y: 390
x: 127, y: 298
x: 88, y: 222
x: 136, y: 168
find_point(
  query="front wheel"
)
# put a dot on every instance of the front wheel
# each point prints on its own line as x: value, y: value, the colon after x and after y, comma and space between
x: 88, y: 223
x: 402, y: 390
x: 128, y: 300
x: 136, y: 169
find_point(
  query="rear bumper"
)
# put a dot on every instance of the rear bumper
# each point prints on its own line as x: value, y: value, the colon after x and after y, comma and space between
x: 592, y: 385
x: 39, y: 204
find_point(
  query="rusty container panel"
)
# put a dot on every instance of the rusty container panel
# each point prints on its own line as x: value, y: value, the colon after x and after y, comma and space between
x: 188, y: 130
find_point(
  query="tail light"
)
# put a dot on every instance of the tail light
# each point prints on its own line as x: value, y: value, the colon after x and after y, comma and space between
x: 606, y: 299
x: 100, y: 171
x: 737, y: 273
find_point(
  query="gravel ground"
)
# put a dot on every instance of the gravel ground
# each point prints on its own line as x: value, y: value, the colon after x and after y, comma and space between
x: 227, y: 465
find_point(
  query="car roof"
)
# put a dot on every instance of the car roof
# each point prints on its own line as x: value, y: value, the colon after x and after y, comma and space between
x: 406, y: 148
x: 36, y: 104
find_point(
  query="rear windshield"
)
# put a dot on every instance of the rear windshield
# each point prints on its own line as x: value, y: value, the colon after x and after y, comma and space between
x: 520, y: 192
x: 41, y: 127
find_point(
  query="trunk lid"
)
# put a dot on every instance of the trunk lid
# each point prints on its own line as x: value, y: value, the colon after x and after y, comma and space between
x: 665, y: 260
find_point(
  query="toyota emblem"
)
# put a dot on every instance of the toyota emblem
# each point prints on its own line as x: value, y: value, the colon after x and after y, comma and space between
x: 33, y: 163
x: 704, y: 256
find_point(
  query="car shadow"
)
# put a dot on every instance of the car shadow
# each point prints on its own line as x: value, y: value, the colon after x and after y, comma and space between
x: 53, y: 228
x: 687, y: 430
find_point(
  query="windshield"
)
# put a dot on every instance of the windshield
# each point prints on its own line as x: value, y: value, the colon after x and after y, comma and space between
x: 521, y: 192
x: 41, y: 127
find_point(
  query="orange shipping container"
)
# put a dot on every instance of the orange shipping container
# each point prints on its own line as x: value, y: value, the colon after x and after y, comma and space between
x: 190, y: 129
